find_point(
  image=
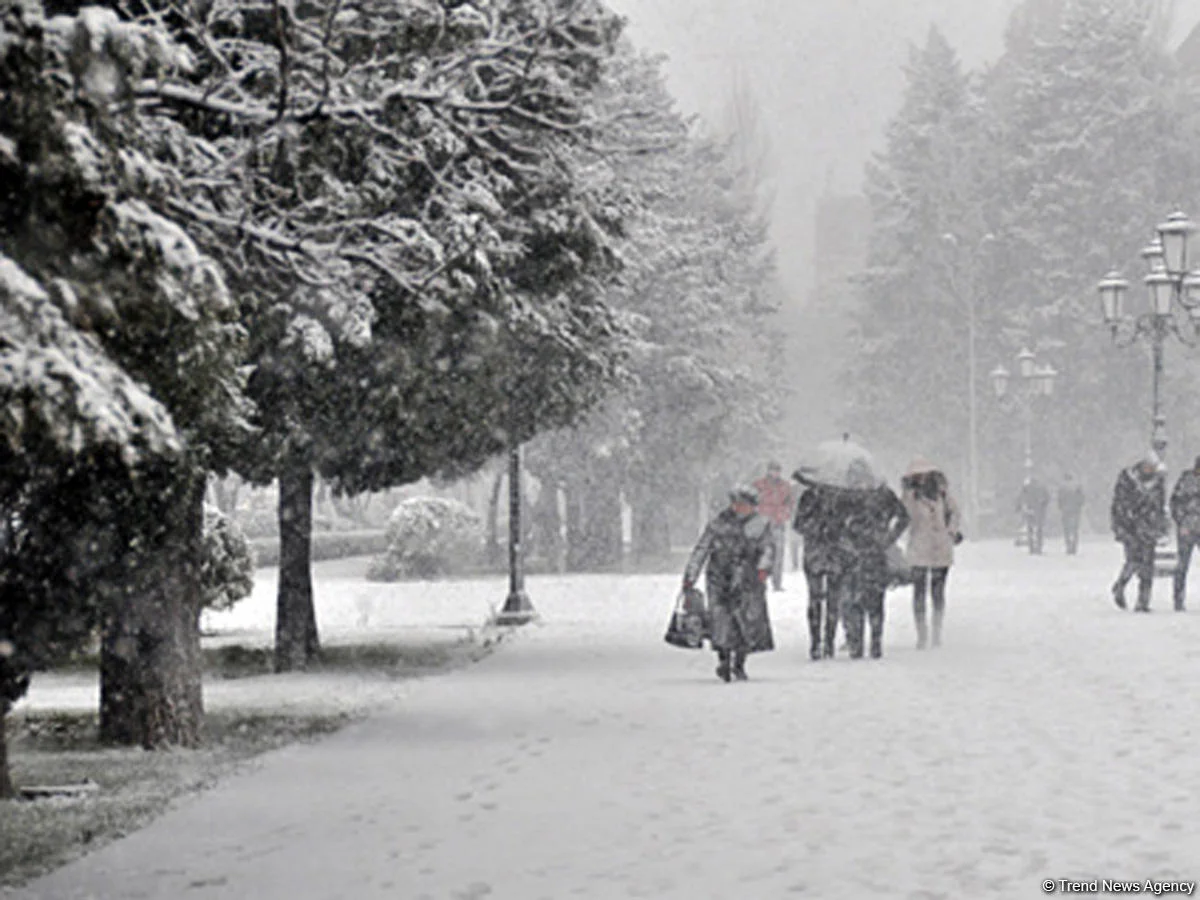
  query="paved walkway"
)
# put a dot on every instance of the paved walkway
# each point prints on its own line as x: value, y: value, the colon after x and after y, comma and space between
x: 1052, y: 737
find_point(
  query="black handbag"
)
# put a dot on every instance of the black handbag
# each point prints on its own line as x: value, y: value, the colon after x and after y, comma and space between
x: 688, y: 627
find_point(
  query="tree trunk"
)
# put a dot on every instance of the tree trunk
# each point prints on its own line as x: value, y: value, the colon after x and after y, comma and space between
x: 151, y: 692
x: 296, y: 641
x: 6, y: 786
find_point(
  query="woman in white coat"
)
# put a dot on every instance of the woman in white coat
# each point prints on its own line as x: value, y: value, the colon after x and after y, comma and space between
x: 932, y: 533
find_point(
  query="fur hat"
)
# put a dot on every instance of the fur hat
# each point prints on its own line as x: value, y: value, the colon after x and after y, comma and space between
x: 744, y: 493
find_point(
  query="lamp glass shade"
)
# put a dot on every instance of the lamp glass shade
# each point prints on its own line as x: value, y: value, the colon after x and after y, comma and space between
x: 999, y: 377
x: 1174, y: 234
x: 1152, y: 253
x: 1047, y: 377
x: 1190, y: 295
x: 1025, y: 359
x: 1161, y: 287
x: 1112, y: 297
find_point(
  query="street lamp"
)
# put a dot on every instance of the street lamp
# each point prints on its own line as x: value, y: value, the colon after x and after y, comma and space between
x: 517, y: 609
x: 1173, y: 295
x: 1035, y: 381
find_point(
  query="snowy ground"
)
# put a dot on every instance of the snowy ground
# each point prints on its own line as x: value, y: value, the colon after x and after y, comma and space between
x: 1053, y: 737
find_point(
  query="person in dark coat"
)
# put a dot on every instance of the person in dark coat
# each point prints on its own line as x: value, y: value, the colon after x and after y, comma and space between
x: 1032, y: 503
x: 736, y: 552
x: 872, y: 520
x: 1070, y: 507
x: 1138, y: 519
x: 825, y: 568
x: 1185, y: 511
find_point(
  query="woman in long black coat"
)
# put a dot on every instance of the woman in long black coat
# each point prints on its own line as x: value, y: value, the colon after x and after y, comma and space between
x: 736, y: 553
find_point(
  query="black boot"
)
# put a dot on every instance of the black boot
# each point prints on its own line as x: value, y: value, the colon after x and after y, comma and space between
x: 814, y: 632
x: 1118, y: 592
x: 1143, y: 601
x: 739, y: 666
x: 922, y: 633
x: 723, y: 665
x: 937, y: 628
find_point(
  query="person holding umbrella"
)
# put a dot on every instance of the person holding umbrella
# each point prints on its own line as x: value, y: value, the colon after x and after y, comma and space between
x: 825, y: 568
x: 736, y: 553
x: 859, y: 518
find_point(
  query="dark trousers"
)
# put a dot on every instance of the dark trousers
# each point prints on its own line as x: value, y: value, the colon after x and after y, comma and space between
x: 863, y: 606
x: 1139, y: 560
x: 1184, y: 550
x: 1034, y: 529
x: 933, y: 580
x: 824, y: 594
x: 1070, y: 522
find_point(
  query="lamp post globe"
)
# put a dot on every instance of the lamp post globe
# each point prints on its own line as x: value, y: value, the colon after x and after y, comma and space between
x: 1154, y: 255
x: 1173, y: 234
x: 1000, y: 376
x: 1112, y: 297
x: 1026, y: 363
x: 1161, y: 289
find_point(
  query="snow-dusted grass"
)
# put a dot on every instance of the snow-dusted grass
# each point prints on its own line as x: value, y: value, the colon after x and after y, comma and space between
x: 377, y: 640
x: 1052, y: 737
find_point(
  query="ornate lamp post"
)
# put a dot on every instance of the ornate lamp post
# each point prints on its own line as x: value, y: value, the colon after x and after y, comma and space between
x: 1174, y: 307
x: 1035, y: 381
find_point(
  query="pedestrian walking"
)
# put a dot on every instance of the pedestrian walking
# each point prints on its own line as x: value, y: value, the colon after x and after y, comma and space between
x: 1185, y: 511
x: 775, y: 498
x: 1138, y: 519
x: 816, y: 523
x: 1070, y: 507
x: 736, y: 553
x: 1032, y: 503
x: 934, y: 529
x: 874, y: 519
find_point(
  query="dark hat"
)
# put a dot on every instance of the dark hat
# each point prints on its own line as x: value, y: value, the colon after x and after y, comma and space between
x: 744, y: 494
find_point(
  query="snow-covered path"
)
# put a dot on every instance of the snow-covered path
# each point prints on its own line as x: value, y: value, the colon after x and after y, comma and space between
x: 1052, y: 737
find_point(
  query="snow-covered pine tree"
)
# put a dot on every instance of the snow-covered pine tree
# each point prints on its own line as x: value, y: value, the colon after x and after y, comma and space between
x: 926, y: 267
x: 1092, y: 139
x: 379, y: 178
x: 114, y: 530
x: 697, y: 264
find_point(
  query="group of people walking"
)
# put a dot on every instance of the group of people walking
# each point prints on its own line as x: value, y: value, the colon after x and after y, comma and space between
x: 849, y: 533
x: 1139, y: 521
x: 851, y: 557
x: 1033, y: 502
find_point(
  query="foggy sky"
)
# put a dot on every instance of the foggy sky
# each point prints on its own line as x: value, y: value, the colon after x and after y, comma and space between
x: 826, y: 73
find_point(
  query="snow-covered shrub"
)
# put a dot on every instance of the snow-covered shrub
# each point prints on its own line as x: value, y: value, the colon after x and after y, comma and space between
x: 427, y: 537
x: 227, y: 575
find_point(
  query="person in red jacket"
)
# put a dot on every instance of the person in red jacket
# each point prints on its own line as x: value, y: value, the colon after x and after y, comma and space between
x: 776, y: 497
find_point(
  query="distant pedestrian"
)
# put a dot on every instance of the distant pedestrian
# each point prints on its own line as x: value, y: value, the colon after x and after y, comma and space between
x: 826, y: 568
x: 736, y: 553
x: 1032, y: 504
x: 1185, y: 510
x: 775, y: 499
x: 934, y: 529
x: 1070, y: 507
x: 1138, y: 519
